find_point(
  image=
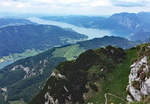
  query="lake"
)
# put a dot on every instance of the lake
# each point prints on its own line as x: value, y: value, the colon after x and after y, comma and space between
x: 90, y: 32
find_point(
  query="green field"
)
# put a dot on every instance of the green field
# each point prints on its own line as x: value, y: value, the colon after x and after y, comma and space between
x: 70, y: 52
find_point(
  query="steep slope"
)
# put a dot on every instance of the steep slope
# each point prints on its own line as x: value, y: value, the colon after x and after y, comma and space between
x: 139, y: 78
x: 137, y: 25
x: 128, y: 21
x: 100, y: 77
x: 76, y: 81
x: 31, y: 73
x: 24, y: 78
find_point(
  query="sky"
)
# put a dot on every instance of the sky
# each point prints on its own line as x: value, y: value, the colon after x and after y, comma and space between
x: 73, y: 7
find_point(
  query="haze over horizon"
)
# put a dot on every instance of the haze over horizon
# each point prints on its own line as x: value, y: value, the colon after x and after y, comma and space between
x: 72, y: 7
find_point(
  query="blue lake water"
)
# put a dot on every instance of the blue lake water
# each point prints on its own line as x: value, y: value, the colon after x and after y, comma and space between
x: 90, y: 32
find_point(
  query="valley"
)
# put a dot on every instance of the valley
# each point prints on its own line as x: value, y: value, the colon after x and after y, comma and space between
x: 134, y: 26
x: 32, y: 72
x: 23, y: 37
x: 75, y: 59
x: 90, y: 32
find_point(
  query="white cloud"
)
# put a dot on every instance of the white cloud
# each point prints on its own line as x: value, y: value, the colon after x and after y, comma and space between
x: 73, y: 6
x: 135, y: 1
x: 14, y: 4
x: 130, y: 0
x: 58, y: 2
x: 5, y: 3
x: 43, y: 1
x: 132, y: 3
x: 101, y: 3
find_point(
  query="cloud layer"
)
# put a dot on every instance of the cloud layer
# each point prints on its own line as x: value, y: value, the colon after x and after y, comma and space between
x: 62, y: 7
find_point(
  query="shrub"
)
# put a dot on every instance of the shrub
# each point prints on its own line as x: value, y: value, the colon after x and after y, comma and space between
x: 93, y: 87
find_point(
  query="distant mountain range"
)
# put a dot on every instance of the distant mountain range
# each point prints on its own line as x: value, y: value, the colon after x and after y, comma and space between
x: 24, y: 78
x: 26, y: 33
x: 53, y: 66
x: 134, y: 26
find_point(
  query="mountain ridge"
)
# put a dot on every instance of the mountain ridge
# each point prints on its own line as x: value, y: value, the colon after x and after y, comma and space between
x: 90, y: 79
x: 40, y: 66
x: 20, y: 40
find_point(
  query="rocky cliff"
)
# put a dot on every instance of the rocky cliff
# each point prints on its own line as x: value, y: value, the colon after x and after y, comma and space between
x: 139, y: 78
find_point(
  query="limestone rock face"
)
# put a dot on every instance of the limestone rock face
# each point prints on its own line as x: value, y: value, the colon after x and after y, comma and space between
x: 139, y: 81
x: 28, y: 72
x: 49, y: 99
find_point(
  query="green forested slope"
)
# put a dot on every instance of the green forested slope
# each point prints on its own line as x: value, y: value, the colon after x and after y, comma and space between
x: 95, y: 77
x: 25, y: 78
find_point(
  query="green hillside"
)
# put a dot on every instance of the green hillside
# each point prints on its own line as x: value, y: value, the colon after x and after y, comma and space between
x: 116, y: 82
x: 28, y: 40
x: 96, y: 77
x: 82, y: 77
x: 24, y: 78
